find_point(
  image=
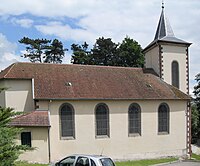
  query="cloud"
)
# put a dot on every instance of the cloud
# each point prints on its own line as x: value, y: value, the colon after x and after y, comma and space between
x: 7, y: 52
x: 65, y: 32
x: 25, y: 23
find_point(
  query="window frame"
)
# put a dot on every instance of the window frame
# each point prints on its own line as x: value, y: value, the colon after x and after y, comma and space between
x: 167, y: 118
x: 138, y: 121
x: 72, y: 123
x: 29, y: 144
x: 175, y: 74
x: 107, y: 135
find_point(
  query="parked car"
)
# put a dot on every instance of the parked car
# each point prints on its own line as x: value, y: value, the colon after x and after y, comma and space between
x: 85, y: 160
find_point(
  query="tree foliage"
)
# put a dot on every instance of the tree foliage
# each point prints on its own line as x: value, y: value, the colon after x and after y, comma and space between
x: 130, y: 53
x: 43, y: 50
x: 106, y: 52
x: 9, y: 150
x: 195, y: 123
x: 81, y: 54
x: 55, y: 52
x: 196, y: 109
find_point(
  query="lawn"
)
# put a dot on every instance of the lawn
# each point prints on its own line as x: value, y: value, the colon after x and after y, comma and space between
x: 28, y: 164
x: 145, y: 162
x: 195, y: 156
x: 122, y: 163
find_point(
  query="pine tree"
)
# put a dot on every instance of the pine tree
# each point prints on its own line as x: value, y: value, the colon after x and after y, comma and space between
x: 9, y: 150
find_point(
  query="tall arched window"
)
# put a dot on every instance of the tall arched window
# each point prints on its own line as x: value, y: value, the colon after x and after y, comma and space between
x: 175, y: 74
x: 134, y: 119
x: 163, y: 118
x: 67, y: 124
x: 102, y: 120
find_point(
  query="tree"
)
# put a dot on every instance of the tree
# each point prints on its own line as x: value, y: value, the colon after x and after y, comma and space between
x: 81, y: 54
x: 55, y: 52
x: 35, y: 48
x: 106, y: 52
x: 9, y: 150
x: 195, y: 123
x: 130, y: 53
x: 43, y: 50
x: 196, y: 108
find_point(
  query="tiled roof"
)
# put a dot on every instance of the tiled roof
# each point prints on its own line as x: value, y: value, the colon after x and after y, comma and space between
x: 32, y: 119
x: 69, y: 81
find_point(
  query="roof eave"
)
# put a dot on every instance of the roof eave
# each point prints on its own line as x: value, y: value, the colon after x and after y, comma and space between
x: 76, y: 99
x: 157, y: 42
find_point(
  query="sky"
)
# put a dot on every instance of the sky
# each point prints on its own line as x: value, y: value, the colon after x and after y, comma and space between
x: 75, y: 21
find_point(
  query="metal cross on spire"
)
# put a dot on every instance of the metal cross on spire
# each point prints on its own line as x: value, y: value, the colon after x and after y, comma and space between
x: 163, y: 4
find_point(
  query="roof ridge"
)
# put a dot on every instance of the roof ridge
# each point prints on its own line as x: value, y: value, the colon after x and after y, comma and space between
x: 81, y: 65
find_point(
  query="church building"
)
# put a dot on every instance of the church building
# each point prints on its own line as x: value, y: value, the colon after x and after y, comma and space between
x: 122, y: 112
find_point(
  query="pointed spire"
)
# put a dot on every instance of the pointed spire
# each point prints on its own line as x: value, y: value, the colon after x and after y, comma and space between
x: 164, y: 28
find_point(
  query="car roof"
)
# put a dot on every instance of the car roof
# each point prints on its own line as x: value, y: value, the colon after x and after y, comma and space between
x: 90, y: 156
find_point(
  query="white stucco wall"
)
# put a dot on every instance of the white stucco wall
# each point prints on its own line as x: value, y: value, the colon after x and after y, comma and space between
x: 152, y: 59
x: 39, y: 140
x: 175, y: 53
x: 19, y: 95
x: 119, y: 145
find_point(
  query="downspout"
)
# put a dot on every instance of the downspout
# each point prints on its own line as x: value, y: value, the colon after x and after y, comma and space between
x: 49, y: 143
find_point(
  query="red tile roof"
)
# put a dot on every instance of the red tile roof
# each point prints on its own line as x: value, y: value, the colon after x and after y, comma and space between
x: 34, y: 118
x: 69, y: 81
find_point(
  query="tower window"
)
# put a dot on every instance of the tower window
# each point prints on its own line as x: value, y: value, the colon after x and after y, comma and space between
x: 175, y: 74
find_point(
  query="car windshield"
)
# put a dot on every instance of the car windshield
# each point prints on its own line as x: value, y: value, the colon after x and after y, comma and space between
x: 68, y: 161
x: 107, y: 162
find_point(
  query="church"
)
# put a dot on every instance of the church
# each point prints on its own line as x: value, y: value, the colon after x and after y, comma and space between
x: 122, y: 112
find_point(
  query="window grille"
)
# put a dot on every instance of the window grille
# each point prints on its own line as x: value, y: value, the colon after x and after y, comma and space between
x: 102, y: 120
x: 163, y: 118
x: 67, y: 121
x: 134, y: 119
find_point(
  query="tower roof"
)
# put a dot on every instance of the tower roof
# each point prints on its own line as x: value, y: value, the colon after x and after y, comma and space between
x: 164, y: 32
x: 164, y: 28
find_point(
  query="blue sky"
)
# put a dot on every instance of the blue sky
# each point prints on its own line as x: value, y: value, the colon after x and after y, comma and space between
x: 75, y: 21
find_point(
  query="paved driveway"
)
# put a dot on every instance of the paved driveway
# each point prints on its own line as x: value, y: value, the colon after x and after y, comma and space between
x: 183, y: 163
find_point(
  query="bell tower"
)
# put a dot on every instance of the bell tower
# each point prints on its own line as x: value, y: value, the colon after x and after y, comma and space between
x: 168, y: 55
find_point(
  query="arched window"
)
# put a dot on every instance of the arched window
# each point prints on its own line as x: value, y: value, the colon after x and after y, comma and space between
x: 134, y: 119
x: 163, y: 118
x: 102, y: 120
x: 175, y: 74
x: 67, y: 124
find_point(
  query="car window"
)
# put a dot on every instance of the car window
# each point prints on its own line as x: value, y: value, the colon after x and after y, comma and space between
x: 107, y: 162
x: 92, y: 163
x: 82, y: 161
x: 69, y: 161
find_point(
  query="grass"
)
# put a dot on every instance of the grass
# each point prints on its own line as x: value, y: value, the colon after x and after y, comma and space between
x: 121, y: 163
x: 23, y: 163
x: 145, y: 162
x: 196, y: 157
